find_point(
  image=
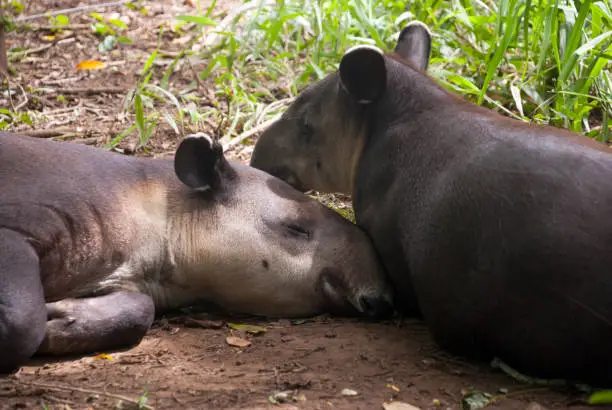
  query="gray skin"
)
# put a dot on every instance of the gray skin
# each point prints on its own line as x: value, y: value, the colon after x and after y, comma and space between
x: 496, y: 232
x: 93, y: 244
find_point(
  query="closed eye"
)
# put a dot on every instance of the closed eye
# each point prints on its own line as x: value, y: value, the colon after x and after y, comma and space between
x: 306, y: 130
x: 298, y: 231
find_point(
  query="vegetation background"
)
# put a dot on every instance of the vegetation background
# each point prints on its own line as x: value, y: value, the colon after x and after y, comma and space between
x: 546, y: 61
x: 138, y: 76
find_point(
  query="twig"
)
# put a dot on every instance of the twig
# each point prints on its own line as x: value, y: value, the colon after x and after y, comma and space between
x: 73, y: 389
x: 235, y: 141
x: 50, y: 133
x: 53, y: 399
x: 25, y: 53
x: 73, y: 10
x: 25, y: 99
x: 69, y: 27
x: 90, y: 91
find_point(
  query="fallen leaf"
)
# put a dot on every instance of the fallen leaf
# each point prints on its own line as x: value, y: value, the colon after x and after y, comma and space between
x: 601, y: 397
x: 48, y: 37
x: 398, y: 405
x: 237, y: 341
x: 349, y: 392
x: 252, y: 329
x: 103, y: 356
x: 90, y: 65
x: 393, y: 387
x: 475, y: 400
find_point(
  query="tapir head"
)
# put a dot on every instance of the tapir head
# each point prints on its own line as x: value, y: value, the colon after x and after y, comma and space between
x: 318, y: 141
x: 250, y: 243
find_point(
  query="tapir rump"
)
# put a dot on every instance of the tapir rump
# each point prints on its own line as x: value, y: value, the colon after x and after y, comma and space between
x: 497, y: 232
x: 93, y: 244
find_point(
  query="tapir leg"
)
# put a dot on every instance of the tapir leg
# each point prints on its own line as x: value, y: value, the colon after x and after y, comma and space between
x: 96, y: 324
x: 22, y: 302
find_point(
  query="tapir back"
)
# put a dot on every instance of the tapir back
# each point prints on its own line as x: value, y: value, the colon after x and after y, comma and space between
x: 505, y: 229
x: 77, y: 214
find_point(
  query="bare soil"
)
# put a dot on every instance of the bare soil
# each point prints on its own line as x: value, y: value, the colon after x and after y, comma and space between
x: 185, y: 362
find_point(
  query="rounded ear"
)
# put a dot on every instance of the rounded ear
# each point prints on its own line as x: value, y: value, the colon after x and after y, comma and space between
x: 414, y: 44
x: 196, y: 160
x: 363, y: 73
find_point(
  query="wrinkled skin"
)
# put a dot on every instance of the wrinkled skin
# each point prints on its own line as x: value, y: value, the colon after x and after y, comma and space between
x: 493, y: 230
x: 93, y: 244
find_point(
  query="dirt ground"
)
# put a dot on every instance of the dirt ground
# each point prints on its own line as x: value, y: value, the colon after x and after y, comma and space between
x: 185, y: 361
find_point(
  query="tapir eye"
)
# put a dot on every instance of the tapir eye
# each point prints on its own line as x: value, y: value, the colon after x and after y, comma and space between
x: 297, y: 230
x: 306, y: 130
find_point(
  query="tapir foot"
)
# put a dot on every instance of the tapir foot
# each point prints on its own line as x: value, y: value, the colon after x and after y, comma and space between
x: 96, y: 324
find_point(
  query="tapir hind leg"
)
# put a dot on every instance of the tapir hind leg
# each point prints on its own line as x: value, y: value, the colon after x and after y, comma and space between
x: 96, y: 324
x: 22, y: 301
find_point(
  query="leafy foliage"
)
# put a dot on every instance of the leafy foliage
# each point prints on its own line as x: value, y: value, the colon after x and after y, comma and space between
x: 541, y: 60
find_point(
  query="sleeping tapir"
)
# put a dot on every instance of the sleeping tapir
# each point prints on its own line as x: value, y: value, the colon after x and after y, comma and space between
x: 497, y: 232
x: 93, y: 243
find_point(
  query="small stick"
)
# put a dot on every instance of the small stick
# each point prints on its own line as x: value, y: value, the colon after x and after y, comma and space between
x: 50, y: 133
x: 90, y: 91
x: 72, y: 389
x: 73, y: 10
x: 69, y: 27
x: 25, y: 53
x: 235, y: 141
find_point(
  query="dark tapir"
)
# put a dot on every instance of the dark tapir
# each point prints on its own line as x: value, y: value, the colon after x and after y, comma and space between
x: 93, y: 243
x: 498, y: 232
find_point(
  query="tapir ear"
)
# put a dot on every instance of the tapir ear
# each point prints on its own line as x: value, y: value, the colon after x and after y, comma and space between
x: 363, y: 73
x: 414, y: 44
x: 196, y: 161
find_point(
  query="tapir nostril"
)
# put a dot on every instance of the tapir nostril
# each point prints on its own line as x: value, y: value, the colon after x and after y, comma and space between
x: 375, y: 307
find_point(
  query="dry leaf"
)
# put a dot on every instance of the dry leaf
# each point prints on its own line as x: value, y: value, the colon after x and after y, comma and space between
x: 398, y: 405
x: 391, y: 386
x: 237, y: 341
x: 253, y: 329
x: 103, y: 356
x: 90, y: 65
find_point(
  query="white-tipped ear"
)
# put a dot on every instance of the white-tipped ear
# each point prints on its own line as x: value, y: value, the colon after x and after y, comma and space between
x: 414, y: 44
x: 368, y: 46
x: 363, y: 74
x: 195, y: 161
x: 201, y: 135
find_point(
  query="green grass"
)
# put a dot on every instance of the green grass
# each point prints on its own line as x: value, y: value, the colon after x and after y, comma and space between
x: 546, y: 61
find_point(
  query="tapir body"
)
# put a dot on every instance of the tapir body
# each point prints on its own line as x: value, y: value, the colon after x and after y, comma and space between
x: 497, y: 232
x: 93, y: 244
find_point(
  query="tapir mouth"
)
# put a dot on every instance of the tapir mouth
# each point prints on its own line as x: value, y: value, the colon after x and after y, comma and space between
x: 337, y: 293
x: 289, y: 177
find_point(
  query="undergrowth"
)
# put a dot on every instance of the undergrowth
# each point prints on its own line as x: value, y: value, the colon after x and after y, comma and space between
x: 546, y: 61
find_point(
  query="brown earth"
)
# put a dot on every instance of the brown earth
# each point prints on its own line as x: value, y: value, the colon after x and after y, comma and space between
x: 187, y: 363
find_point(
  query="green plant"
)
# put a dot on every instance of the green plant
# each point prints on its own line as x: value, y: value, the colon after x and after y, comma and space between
x: 59, y: 22
x: 545, y: 61
x: 107, y: 29
x: 143, y: 399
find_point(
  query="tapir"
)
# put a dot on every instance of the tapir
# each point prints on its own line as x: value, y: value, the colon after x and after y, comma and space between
x: 93, y: 244
x: 496, y: 232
